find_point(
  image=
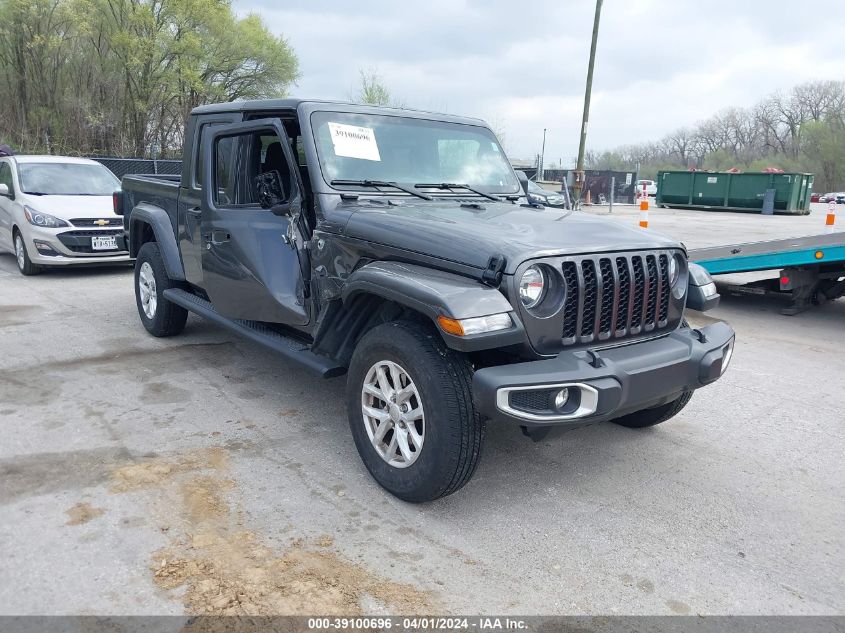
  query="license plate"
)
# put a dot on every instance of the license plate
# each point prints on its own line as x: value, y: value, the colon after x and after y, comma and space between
x: 103, y: 243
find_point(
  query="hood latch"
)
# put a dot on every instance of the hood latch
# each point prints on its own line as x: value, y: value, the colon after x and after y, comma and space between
x: 492, y: 275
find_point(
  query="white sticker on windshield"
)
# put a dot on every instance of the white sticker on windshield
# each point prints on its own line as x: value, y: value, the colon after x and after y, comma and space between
x: 353, y: 141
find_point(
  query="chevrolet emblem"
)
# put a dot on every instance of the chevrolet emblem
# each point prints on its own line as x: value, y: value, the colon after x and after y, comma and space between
x: 101, y: 222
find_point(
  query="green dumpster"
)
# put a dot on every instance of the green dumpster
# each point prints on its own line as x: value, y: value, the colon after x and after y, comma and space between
x: 728, y: 191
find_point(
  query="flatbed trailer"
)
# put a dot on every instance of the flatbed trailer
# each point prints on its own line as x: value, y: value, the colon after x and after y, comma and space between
x: 809, y: 256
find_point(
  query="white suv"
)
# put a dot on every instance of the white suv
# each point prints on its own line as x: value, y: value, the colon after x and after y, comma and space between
x: 56, y: 210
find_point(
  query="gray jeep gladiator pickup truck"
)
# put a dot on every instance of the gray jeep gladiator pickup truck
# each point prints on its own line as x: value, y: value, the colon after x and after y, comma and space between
x: 400, y: 248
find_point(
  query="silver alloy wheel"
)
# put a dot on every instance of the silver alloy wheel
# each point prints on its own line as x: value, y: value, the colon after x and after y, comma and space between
x: 147, y: 288
x: 393, y: 414
x: 20, y: 253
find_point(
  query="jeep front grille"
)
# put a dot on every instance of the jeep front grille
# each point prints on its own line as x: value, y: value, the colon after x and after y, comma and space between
x: 615, y: 296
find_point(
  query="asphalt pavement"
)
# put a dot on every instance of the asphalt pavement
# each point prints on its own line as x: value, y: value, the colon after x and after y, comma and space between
x: 203, y: 474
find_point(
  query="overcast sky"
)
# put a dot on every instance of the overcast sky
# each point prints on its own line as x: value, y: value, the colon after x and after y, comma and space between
x: 661, y: 64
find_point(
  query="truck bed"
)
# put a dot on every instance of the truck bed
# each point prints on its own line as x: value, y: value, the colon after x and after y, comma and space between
x: 151, y: 183
x: 160, y: 190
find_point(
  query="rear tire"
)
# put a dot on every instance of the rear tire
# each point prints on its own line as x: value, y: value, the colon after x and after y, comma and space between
x: 25, y: 264
x: 425, y: 441
x: 650, y: 417
x: 159, y: 316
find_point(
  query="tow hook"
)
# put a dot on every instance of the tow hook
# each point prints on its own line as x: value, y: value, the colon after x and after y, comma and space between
x: 536, y: 433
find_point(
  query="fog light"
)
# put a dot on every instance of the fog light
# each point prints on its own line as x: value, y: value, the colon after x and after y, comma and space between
x: 44, y: 248
x: 561, y: 398
x: 726, y: 356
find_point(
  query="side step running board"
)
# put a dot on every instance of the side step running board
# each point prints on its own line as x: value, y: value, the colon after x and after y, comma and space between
x: 287, y: 346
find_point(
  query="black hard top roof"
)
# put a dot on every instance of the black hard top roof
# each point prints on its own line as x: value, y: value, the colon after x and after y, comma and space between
x: 332, y: 106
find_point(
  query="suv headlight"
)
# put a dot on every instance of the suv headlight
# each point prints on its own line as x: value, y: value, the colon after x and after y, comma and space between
x: 42, y: 219
x: 532, y: 287
x: 677, y: 280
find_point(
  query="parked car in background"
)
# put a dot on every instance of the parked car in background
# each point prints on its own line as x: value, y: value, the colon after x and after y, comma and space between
x: 828, y: 197
x: 57, y: 210
x: 545, y: 197
x: 650, y: 187
x: 815, y: 197
x: 839, y: 198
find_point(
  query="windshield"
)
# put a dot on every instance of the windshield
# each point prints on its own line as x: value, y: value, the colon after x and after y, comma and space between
x: 67, y: 179
x: 410, y: 151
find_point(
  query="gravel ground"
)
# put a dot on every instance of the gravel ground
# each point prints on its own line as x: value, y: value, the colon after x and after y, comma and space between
x: 203, y: 474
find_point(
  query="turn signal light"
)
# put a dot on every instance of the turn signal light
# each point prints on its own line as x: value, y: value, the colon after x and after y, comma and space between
x: 475, y: 325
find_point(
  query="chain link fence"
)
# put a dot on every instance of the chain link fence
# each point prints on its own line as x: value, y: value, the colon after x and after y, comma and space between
x: 123, y: 166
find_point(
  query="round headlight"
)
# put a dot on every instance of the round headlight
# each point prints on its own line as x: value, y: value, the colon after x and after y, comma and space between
x: 532, y: 287
x: 677, y: 275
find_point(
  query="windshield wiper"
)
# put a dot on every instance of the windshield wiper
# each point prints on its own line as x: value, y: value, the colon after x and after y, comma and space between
x: 375, y: 184
x: 453, y: 185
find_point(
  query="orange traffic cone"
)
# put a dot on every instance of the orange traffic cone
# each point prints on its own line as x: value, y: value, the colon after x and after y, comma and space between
x: 644, y: 209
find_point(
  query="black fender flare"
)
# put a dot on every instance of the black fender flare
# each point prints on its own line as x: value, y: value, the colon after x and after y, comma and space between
x: 433, y: 293
x: 159, y: 221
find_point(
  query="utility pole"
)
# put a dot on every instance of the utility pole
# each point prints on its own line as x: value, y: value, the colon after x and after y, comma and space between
x: 542, y: 174
x: 579, y: 168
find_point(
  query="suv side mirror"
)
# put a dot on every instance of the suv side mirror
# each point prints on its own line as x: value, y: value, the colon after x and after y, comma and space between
x: 523, y: 180
x: 4, y: 190
x: 271, y: 192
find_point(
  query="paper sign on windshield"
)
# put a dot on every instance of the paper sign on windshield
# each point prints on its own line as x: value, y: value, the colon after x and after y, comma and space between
x: 353, y: 141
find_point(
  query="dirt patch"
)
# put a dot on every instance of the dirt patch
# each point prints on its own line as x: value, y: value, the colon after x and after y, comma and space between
x: 158, y: 472
x: 222, y: 567
x: 231, y: 573
x: 324, y: 541
x: 202, y: 498
x: 82, y: 513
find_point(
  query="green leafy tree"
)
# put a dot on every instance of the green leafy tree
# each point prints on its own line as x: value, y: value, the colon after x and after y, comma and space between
x: 120, y: 76
x: 373, y: 91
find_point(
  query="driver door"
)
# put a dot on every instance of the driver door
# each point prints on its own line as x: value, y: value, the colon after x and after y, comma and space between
x: 251, y: 258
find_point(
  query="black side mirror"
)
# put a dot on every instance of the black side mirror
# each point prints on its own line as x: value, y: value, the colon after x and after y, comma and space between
x: 270, y: 191
x: 523, y: 180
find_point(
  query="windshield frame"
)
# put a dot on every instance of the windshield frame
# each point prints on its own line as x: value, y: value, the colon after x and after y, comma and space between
x: 316, y: 161
x: 21, y: 166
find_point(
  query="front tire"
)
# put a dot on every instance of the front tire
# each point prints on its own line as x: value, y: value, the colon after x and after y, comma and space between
x: 650, y: 417
x: 409, y: 402
x: 159, y: 316
x: 25, y: 264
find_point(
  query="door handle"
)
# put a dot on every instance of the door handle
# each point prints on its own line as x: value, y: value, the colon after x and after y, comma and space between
x: 195, y: 211
x: 217, y: 238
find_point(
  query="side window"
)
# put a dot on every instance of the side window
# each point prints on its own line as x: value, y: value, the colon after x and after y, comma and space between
x: 247, y: 165
x: 199, y: 158
x: 224, y: 176
x: 6, y: 176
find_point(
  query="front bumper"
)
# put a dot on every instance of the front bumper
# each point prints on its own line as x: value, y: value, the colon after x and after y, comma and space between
x: 67, y: 245
x: 604, y: 384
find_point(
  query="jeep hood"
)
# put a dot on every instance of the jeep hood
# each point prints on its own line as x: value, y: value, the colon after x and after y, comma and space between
x: 470, y: 236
